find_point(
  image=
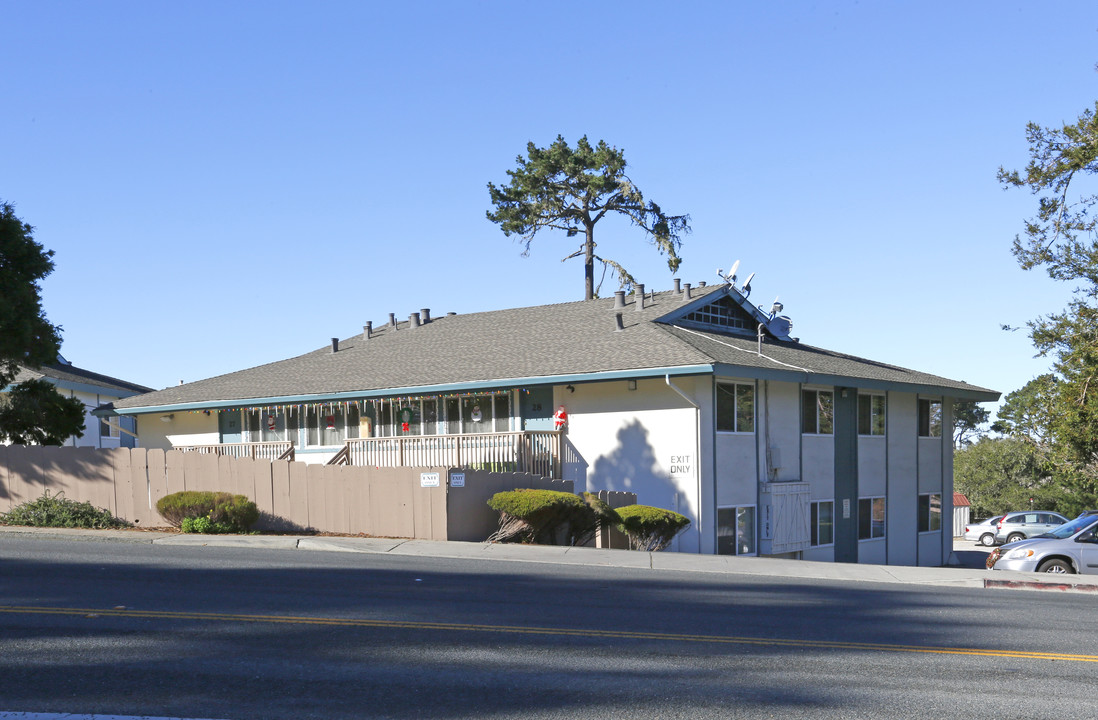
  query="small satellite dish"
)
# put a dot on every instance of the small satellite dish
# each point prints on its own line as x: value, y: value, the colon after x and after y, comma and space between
x: 746, y: 290
x: 731, y: 276
x: 776, y: 308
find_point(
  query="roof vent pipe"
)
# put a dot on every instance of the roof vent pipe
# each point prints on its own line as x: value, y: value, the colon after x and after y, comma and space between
x: 335, y: 344
x: 701, y: 284
x: 367, y: 330
x: 619, y: 299
x: 618, y: 322
x: 392, y: 320
x: 686, y: 291
x: 678, y: 286
x: 638, y: 290
x: 413, y: 320
x: 425, y: 315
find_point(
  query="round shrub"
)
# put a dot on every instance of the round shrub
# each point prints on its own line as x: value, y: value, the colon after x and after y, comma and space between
x: 650, y: 528
x: 220, y: 511
x: 537, y: 516
x: 59, y: 511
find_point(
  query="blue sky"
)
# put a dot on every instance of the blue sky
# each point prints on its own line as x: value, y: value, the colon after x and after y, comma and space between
x: 227, y: 184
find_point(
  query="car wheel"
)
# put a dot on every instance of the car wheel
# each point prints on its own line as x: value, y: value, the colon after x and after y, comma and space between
x: 1056, y: 566
x: 1015, y: 537
x: 987, y: 539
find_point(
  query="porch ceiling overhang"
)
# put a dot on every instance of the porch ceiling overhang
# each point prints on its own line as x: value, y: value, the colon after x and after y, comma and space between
x: 414, y: 390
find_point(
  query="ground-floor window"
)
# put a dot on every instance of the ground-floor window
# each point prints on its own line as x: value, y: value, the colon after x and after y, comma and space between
x: 930, y: 512
x: 871, y: 518
x: 736, y: 530
x: 823, y: 523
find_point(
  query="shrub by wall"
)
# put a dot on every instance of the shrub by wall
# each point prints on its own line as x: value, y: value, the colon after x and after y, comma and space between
x: 650, y: 528
x: 208, y: 512
x: 58, y: 511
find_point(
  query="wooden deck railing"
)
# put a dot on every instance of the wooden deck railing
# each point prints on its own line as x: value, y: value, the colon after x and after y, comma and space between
x: 281, y: 450
x: 537, y: 452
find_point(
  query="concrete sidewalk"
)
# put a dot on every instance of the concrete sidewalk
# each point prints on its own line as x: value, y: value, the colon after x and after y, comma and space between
x: 954, y: 575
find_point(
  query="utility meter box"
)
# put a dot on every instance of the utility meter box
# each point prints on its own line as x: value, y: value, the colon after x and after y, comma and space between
x: 784, y: 523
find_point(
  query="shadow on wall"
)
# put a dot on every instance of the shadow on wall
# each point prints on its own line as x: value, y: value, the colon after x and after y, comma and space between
x: 632, y: 467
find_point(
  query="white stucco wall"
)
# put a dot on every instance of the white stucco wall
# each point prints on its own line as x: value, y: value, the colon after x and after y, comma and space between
x: 643, y: 441
x: 182, y: 428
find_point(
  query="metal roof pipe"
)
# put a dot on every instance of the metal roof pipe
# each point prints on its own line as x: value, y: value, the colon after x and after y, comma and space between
x: 678, y: 286
x: 638, y: 291
x: 335, y: 344
x: 618, y: 322
x: 619, y: 299
x: 413, y: 320
x: 367, y: 330
x: 686, y: 291
x: 392, y: 320
x: 425, y: 314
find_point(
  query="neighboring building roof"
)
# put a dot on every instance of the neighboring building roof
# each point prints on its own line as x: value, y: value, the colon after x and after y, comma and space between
x: 72, y: 377
x: 959, y: 500
x: 567, y: 342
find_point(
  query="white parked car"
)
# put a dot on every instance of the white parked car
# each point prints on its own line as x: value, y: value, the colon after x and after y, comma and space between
x: 1070, y: 548
x: 984, y: 531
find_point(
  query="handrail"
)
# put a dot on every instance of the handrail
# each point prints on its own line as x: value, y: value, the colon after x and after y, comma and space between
x: 343, y: 457
x: 276, y: 450
x: 533, y: 451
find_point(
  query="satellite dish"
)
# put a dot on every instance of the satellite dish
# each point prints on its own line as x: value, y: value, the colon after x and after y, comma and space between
x: 776, y: 308
x: 746, y: 290
x: 731, y: 276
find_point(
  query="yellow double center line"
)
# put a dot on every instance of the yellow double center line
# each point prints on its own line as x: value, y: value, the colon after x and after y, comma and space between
x: 526, y: 630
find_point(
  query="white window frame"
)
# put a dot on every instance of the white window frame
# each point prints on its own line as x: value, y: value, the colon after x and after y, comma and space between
x: 817, y: 411
x: 814, y: 521
x: 882, y: 415
x: 736, y: 510
x: 736, y: 428
x: 930, y: 513
x: 873, y: 500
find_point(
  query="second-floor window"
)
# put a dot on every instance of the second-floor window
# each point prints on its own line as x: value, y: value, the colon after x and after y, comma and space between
x: 817, y: 412
x: 735, y: 407
x: 871, y: 414
x: 930, y: 418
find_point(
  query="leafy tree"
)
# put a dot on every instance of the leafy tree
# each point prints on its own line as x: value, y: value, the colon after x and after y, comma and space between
x: 968, y: 417
x: 29, y: 413
x: 1062, y: 238
x: 568, y: 189
x: 1002, y: 474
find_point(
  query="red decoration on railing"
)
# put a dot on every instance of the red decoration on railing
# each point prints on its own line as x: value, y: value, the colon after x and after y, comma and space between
x: 560, y: 419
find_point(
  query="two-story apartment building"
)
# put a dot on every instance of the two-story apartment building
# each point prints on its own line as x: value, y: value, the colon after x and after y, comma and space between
x: 693, y: 398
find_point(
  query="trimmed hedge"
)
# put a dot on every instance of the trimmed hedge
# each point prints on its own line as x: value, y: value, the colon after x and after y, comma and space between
x: 59, y: 511
x: 549, y: 517
x: 208, y: 512
x: 650, y: 528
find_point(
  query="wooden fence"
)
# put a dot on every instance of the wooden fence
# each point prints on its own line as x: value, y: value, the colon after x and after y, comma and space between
x: 292, y: 496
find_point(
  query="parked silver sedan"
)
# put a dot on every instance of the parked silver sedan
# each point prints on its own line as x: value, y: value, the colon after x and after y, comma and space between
x: 1070, y: 548
x: 1016, y: 526
x: 983, y: 532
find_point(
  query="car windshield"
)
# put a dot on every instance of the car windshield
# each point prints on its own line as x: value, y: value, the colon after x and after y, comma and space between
x: 1070, y: 528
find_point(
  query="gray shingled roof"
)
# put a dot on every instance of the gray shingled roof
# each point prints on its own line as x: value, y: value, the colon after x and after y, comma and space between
x: 72, y: 374
x: 527, y: 344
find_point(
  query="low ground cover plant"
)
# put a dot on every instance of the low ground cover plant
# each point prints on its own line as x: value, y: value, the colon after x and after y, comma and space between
x: 58, y: 511
x: 201, y: 511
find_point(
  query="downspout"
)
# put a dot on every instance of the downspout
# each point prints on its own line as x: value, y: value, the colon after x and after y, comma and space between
x: 697, y: 454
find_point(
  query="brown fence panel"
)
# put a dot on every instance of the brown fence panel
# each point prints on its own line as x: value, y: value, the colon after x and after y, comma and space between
x: 176, y: 472
x: 468, y: 516
x: 156, y: 462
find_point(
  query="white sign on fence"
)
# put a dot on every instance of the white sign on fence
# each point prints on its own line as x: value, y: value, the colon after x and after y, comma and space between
x: 457, y: 479
x: 428, y: 479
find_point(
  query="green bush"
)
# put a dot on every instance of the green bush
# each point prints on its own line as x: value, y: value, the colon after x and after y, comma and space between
x: 59, y: 511
x: 650, y: 528
x: 219, y: 511
x: 537, y: 516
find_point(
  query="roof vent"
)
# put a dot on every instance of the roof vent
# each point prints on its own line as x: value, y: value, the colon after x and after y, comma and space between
x: 701, y: 284
x: 678, y: 286
x: 638, y: 291
x: 413, y: 320
x: 620, y: 325
x: 619, y: 299
x: 686, y: 291
x: 425, y: 314
x: 451, y: 314
x: 335, y: 344
x: 367, y: 329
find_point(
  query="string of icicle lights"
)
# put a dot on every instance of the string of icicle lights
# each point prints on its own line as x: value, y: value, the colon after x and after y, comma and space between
x: 361, y: 405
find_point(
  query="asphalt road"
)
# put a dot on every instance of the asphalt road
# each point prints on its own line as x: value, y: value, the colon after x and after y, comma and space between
x: 212, y: 632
